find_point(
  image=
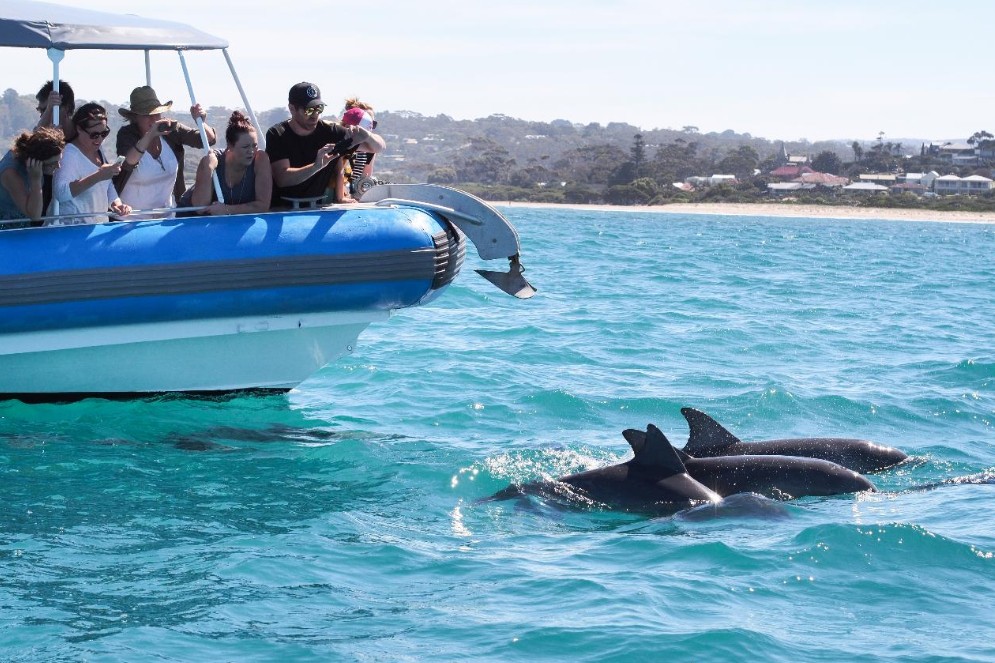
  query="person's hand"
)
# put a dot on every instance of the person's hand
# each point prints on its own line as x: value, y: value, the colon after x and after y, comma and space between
x: 54, y: 99
x: 121, y: 209
x: 325, y: 156
x: 35, y: 169
x: 197, y: 111
x: 212, y: 160
x: 109, y: 170
x: 217, y: 208
x: 161, y: 128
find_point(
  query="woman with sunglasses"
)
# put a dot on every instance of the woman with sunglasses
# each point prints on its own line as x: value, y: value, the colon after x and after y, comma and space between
x: 360, y: 163
x: 82, y: 185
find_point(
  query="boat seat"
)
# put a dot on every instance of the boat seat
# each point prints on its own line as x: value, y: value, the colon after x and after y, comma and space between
x: 305, y: 203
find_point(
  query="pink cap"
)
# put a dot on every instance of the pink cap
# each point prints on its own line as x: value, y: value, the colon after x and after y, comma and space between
x: 357, y: 117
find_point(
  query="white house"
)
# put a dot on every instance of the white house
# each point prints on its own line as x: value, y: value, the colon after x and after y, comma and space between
x: 973, y: 185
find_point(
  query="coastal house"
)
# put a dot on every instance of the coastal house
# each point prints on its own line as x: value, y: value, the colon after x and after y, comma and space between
x: 865, y: 188
x: 884, y: 179
x: 782, y: 158
x: 784, y: 188
x: 956, y: 154
x: 908, y: 187
x: 790, y: 171
x: 823, y: 179
x: 973, y: 185
x: 699, y: 181
x: 925, y: 179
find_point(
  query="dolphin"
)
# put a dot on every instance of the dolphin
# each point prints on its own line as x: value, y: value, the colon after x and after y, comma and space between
x: 709, y: 438
x: 779, y: 477
x: 654, y: 478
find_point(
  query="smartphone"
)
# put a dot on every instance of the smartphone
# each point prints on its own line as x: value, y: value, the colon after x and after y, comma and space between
x: 121, y: 160
x: 164, y: 125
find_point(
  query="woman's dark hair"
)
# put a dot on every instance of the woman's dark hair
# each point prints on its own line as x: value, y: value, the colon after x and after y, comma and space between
x: 238, y: 124
x: 88, y: 115
x: 42, y: 144
x: 65, y: 89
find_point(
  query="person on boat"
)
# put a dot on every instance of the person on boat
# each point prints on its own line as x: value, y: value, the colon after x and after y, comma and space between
x: 243, y: 171
x: 152, y: 175
x: 82, y: 184
x: 22, y: 171
x: 305, y: 150
x: 360, y: 164
x: 48, y: 99
x: 65, y: 99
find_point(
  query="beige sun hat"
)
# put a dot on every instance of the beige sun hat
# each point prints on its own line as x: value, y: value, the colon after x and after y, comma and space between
x: 144, y: 101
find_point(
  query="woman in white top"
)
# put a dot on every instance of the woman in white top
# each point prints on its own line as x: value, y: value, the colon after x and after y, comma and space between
x: 152, y: 174
x: 82, y: 185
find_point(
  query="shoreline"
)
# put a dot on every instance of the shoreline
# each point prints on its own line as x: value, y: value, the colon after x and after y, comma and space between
x: 775, y: 210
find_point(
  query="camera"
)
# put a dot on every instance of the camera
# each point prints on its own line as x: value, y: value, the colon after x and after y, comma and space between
x: 164, y: 126
x: 344, y: 146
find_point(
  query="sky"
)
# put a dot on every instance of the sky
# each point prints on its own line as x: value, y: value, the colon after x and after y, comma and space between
x: 788, y: 70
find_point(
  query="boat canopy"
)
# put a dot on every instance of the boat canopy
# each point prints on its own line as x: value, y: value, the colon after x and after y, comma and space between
x: 29, y: 24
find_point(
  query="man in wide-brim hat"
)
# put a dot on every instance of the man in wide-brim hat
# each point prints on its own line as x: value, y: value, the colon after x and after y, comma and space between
x: 151, y: 177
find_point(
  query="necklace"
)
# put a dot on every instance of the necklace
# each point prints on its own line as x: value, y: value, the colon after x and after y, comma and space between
x: 231, y: 199
x: 157, y: 147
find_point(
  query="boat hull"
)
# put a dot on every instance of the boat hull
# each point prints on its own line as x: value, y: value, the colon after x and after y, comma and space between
x: 208, y: 305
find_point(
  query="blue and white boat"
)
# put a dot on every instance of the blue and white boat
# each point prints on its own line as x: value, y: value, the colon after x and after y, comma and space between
x: 215, y: 304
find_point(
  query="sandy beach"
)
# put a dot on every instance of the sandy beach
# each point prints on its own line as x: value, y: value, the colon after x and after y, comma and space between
x: 780, y: 210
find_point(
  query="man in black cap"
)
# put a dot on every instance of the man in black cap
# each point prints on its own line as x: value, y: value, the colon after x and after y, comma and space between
x: 303, y: 150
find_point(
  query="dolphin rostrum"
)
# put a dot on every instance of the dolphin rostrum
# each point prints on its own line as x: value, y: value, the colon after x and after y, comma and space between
x: 709, y: 439
x: 655, y: 477
x: 779, y: 477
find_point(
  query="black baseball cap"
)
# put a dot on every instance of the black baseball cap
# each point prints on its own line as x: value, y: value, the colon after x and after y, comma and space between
x: 305, y: 95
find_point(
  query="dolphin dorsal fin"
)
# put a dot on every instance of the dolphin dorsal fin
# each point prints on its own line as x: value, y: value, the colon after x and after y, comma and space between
x: 706, y: 433
x: 654, y: 451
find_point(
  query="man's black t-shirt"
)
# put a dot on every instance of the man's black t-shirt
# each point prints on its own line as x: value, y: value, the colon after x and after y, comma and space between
x: 283, y: 143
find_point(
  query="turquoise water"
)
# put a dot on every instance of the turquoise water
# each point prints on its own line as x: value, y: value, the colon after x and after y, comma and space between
x: 340, y: 522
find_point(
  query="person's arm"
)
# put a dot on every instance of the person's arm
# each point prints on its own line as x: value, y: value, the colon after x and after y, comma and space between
x: 284, y: 175
x: 103, y: 173
x: 28, y: 200
x: 197, y: 111
x: 339, y: 183
x: 46, y: 119
x: 190, y: 136
x: 203, y: 186
x: 367, y: 141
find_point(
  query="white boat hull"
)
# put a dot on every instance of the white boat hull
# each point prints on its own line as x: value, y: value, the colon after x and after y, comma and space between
x: 214, y: 355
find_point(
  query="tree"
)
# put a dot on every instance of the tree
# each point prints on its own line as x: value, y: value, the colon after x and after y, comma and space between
x: 985, y: 143
x: 827, y: 161
x: 442, y: 175
x: 741, y: 162
x: 858, y: 152
x: 638, y: 153
x: 484, y: 161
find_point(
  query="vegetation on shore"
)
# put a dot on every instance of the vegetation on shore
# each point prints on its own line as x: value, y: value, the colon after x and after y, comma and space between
x: 504, y: 158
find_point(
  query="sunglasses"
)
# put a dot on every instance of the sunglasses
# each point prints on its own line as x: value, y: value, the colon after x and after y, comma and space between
x: 374, y: 124
x: 314, y: 110
x: 98, y: 134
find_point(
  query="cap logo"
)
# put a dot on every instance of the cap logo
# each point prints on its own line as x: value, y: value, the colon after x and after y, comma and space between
x: 311, y: 92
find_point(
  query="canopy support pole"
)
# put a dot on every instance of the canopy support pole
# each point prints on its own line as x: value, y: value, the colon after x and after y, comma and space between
x: 245, y: 100
x: 200, y: 125
x: 55, y: 55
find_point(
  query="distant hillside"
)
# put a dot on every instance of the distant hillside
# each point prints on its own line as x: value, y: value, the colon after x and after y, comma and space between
x: 419, y: 144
